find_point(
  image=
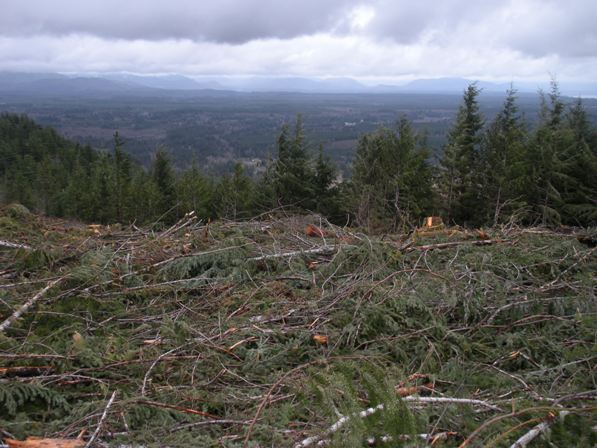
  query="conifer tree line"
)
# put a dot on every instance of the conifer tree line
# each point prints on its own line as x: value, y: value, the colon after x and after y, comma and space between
x: 487, y: 173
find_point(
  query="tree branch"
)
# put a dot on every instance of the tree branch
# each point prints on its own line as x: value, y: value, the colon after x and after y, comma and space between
x: 11, y: 319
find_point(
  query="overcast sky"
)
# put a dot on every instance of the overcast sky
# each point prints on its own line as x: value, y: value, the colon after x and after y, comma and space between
x: 377, y: 39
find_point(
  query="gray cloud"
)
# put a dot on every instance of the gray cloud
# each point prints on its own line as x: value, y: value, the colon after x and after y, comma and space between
x: 535, y: 27
x: 504, y: 39
x: 226, y: 21
x: 555, y: 27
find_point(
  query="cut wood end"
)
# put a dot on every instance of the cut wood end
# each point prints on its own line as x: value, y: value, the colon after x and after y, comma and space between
x: 320, y: 339
x: 315, y: 231
x: 433, y: 222
x: 38, y: 442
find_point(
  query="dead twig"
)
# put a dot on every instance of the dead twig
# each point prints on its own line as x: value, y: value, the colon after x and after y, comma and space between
x: 527, y: 438
x: 10, y: 245
x: 177, y: 408
x: 324, y: 250
x: 102, y: 419
x: 370, y: 411
x: 11, y: 319
x: 454, y: 244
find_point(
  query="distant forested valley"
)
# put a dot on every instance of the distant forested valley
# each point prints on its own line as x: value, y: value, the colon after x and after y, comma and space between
x: 379, y: 161
x: 217, y: 129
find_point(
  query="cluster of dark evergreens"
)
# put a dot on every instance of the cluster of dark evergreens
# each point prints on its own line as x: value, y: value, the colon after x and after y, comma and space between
x: 487, y: 173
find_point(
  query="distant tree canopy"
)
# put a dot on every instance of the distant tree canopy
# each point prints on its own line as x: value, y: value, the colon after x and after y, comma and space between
x: 488, y: 173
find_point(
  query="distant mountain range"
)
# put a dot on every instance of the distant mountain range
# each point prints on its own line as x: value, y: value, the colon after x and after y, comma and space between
x: 54, y: 84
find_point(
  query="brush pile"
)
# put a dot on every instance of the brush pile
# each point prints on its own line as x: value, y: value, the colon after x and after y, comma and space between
x: 289, y: 331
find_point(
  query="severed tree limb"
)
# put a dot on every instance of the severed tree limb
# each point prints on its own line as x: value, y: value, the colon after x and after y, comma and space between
x: 454, y: 244
x: 372, y: 441
x: 101, y: 422
x: 450, y: 400
x: 10, y: 245
x: 155, y: 362
x: 28, y: 304
x: 369, y: 411
x: 324, y: 250
x: 177, y: 408
x: 523, y: 441
x: 498, y: 418
x: 31, y: 356
x: 336, y: 426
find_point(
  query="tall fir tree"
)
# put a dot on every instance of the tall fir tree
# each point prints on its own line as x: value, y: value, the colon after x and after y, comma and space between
x: 122, y: 178
x: 163, y: 177
x: 459, y: 182
x: 195, y: 192
x: 391, y: 178
x: 548, y: 161
x: 580, y: 193
x: 325, y: 192
x: 292, y: 174
x: 235, y: 195
x: 503, y: 151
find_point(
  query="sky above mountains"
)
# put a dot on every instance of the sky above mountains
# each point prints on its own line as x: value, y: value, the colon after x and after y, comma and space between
x: 377, y: 40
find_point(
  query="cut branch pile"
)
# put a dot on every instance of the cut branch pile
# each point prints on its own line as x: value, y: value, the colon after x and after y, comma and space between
x: 295, y: 332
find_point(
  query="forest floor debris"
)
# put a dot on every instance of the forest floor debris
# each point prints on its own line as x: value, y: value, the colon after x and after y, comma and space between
x: 270, y: 333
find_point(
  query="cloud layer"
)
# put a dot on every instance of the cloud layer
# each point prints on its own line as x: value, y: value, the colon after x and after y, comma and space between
x: 377, y: 38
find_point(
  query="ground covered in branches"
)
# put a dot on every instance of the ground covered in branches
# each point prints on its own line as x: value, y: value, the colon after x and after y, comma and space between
x: 288, y: 331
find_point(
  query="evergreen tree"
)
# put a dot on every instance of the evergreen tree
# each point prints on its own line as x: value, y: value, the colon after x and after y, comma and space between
x: 195, y: 192
x: 163, y: 177
x: 292, y: 175
x: 550, y: 159
x: 460, y: 163
x: 235, y: 195
x: 102, y: 182
x: 147, y: 205
x: 325, y: 192
x: 503, y: 168
x: 391, y: 178
x: 122, y: 177
x: 580, y: 192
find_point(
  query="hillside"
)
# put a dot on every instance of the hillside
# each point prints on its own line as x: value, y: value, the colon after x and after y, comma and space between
x: 257, y: 334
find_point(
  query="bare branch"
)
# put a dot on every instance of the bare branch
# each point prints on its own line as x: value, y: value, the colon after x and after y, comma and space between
x: 28, y: 304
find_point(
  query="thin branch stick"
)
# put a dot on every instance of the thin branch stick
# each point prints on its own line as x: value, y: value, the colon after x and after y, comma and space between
x: 11, y: 319
x: 101, y: 422
x: 523, y: 441
x: 369, y: 411
x: 449, y: 400
x: 325, y: 250
x: 498, y: 418
x: 210, y: 423
x: 454, y: 244
x: 31, y: 356
x: 336, y: 426
x: 158, y: 359
x: 177, y: 408
x: 10, y: 245
x: 267, y: 396
x: 561, y: 366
